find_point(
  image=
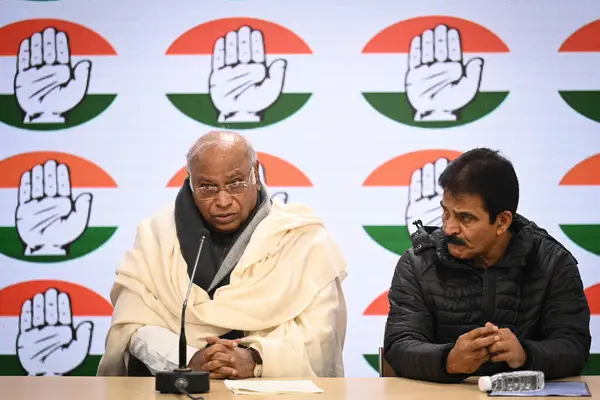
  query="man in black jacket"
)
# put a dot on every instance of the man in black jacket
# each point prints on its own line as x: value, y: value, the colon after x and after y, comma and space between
x: 490, y: 291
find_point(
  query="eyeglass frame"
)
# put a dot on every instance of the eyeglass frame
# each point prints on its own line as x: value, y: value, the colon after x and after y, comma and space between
x: 246, y: 184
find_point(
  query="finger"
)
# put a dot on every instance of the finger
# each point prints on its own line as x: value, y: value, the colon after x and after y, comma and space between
x: 213, y: 365
x: 498, y: 347
x: 414, y: 55
x: 231, y: 48
x: 477, y: 332
x: 24, y: 55
x: 36, y: 49
x: 37, y: 182
x: 63, y: 180
x: 415, y: 186
x: 49, y: 45
x: 473, y: 71
x: 219, y: 54
x: 83, y: 338
x: 38, y: 310
x: 217, y: 347
x: 25, y: 322
x: 215, y: 375
x: 504, y: 356
x: 227, y: 371
x: 63, y: 55
x: 50, y: 178
x: 219, y: 356
x: 81, y: 79
x: 64, y: 309
x: 257, y: 46
x: 454, y: 46
x: 440, y: 166
x: 428, y: 180
x: 440, y: 36
x: 82, y: 210
x: 51, y: 306
x: 427, y: 47
x: 480, y: 353
x: 274, y: 83
x: 226, y: 342
x: 484, y: 341
x: 25, y: 188
x: 244, y: 54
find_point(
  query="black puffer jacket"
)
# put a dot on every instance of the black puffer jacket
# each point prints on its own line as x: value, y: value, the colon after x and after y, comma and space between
x: 535, y: 290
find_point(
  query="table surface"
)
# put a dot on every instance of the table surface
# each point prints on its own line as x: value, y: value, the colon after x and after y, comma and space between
x: 122, y: 388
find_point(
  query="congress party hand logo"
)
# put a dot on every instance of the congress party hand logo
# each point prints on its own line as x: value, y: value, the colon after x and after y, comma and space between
x: 48, y: 220
x: 281, y: 197
x: 48, y: 343
x: 437, y: 82
x: 47, y: 85
x: 48, y: 81
x: 425, y: 195
x: 54, y: 194
x: 240, y: 73
x: 242, y: 86
x: 437, y: 79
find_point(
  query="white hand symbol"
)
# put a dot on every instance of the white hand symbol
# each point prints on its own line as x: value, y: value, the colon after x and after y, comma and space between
x: 241, y: 86
x: 46, y: 86
x: 437, y: 82
x: 425, y: 195
x: 282, y: 197
x: 47, y: 343
x: 47, y: 219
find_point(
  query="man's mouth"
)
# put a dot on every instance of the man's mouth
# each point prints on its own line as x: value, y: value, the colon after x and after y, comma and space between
x: 224, y: 218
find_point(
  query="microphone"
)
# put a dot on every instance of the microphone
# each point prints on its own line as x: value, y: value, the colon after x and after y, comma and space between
x: 183, y: 380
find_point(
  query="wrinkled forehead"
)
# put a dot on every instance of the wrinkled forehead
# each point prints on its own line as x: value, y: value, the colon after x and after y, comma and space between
x: 220, y: 162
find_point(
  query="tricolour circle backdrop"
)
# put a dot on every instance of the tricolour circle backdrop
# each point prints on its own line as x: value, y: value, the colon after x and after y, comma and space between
x: 344, y: 101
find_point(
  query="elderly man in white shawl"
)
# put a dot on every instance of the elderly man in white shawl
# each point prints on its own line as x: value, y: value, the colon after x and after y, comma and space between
x: 267, y: 297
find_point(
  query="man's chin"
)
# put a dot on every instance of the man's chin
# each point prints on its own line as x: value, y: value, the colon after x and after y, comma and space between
x: 459, y: 252
x: 226, y: 227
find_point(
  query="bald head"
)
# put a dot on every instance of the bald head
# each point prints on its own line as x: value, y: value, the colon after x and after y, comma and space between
x: 226, y: 142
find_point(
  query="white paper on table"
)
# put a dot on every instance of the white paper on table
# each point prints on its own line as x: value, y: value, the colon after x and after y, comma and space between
x: 271, y: 387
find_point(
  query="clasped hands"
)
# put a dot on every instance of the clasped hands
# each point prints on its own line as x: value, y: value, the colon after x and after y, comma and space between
x: 224, y: 359
x: 482, y: 344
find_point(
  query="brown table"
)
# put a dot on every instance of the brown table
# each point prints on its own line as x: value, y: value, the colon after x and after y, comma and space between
x: 117, y: 388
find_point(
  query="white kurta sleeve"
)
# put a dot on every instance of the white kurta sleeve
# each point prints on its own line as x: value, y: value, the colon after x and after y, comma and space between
x: 158, y: 348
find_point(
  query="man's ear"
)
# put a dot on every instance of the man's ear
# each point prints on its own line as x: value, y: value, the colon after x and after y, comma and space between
x: 504, y: 219
x: 257, y: 173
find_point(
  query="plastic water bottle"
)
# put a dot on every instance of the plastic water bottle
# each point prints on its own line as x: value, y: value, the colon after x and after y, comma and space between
x: 517, y: 381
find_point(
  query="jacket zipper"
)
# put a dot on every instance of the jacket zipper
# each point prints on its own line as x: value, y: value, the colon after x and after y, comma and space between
x: 488, y: 298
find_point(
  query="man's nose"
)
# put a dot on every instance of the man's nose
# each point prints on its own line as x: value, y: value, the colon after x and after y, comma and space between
x: 451, y: 227
x: 223, y: 199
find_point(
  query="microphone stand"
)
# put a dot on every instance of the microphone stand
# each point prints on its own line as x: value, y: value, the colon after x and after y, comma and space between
x: 183, y: 380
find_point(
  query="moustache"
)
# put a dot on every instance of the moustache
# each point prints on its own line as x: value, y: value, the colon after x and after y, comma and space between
x: 455, y: 240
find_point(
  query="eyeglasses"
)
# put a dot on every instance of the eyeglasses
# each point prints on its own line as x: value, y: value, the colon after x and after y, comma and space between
x: 208, y: 192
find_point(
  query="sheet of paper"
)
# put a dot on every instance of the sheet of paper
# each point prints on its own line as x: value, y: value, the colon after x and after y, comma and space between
x: 570, y: 389
x: 271, y: 387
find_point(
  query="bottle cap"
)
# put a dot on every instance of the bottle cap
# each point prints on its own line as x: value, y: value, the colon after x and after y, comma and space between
x: 485, y: 383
